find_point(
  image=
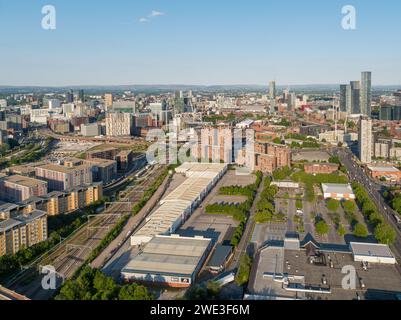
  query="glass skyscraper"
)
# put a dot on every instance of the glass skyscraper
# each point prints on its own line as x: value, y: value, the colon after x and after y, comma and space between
x: 343, y: 98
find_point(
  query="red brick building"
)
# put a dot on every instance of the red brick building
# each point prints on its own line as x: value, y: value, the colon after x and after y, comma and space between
x: 270, y: 157
x: 321, y: 168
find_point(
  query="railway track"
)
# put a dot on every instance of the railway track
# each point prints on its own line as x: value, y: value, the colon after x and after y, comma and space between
x: 67, y: 262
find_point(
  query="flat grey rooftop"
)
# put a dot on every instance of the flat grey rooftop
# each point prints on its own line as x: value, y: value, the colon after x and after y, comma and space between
x: 169, y: 255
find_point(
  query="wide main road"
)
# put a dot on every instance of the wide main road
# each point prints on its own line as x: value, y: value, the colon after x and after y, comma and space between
x: 356, y: 173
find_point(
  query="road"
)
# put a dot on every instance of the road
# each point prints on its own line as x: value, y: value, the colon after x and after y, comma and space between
x: 356, y: 173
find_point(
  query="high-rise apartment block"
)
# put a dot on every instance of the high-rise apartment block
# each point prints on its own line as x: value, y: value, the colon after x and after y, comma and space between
x: 365, y: 140
x: 215, y: 144
x: 366, y: 94
x: 119, y: 124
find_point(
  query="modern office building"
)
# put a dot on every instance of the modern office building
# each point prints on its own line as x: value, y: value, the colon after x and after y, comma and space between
x: 70, y: 97
x: 353, y: 97
x: 54, y: 104
x: 272, y: 90
x: 390, y: 113
x: 18, y: 188
x: 90, y: 130
x: 81, y: 95
x: 179, y: 103
x: 366, y: 94
x: 343, y: 98
x: 119, y: 124
x: 365, y: 140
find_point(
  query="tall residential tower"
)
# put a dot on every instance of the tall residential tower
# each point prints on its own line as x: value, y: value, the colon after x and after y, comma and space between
x: 365, y: 140
x: 366, y: 94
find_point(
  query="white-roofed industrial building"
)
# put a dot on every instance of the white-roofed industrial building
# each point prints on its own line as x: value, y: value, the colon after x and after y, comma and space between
x: 372, y: 253
x: 168, y: 260
x: 338, y: 191
x: 178, y: 206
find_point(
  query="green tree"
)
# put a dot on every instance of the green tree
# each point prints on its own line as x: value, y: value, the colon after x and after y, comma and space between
x: 335, y: 159
x: 375, y: 219
x: 322, y: 228
x: 197, y: 293
x: 277, y: 140
x: 298, y: 204
x: 341, y: 231
x: 349, y: 206
x: 396, y: 204
x: 213, y: 290
x: 242, y: 276
x: 385, y: 234
x: 333, y: 205
x: 361, y: 231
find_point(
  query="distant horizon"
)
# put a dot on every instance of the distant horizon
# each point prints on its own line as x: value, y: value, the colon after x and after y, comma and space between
x: 169, y: 85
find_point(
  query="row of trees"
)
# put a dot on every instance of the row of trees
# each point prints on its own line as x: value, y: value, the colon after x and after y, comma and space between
x: 266, y: 211
x: 93, y: 284
x: 244, y: 270
x: 383, y: 232
x: 396, y: 203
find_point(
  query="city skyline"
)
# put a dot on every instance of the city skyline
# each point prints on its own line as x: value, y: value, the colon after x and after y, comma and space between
x: 165, y: 43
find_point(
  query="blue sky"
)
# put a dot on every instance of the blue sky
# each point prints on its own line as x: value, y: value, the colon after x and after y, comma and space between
x: 198, y: 42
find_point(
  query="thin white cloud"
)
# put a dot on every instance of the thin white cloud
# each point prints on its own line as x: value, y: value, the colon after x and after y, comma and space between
x: 155, y: 13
